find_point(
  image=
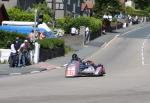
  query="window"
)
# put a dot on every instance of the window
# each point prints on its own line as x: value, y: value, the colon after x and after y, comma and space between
x: 59, y: 6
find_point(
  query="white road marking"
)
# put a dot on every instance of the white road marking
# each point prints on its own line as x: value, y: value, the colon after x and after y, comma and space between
x: 114, y: 39
x: 107, y: 44
x: 15, y: 74
x: 34, y: 72
x: 122, y: 35
x: 133, y: 30
x: 142, y: 50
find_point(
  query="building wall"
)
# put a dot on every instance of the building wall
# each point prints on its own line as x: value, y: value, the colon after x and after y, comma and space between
x: 24, y: 4
x: 58, y: 7
x: 72, y: 8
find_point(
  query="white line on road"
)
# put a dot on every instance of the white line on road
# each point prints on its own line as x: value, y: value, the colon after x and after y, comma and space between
x: 122, y: 35
x: 15, y: 74
x: 106, y: 45
x: 142, y: 50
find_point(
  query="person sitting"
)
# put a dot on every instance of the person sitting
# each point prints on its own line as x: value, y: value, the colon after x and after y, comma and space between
x: 82, y: 63
x: 75, y: 57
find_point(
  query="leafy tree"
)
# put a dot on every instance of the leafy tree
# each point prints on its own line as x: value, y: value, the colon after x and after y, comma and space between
x: 109, y: 6
x: 42, y: 8
x: 142, y: 4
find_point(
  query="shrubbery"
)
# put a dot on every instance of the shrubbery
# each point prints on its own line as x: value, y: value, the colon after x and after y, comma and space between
x: 134, y: 12
x: 9, y: 37
x: 16, y: 14
x: 51, y: 43
x: 93, y: 23
x: 51, y: 48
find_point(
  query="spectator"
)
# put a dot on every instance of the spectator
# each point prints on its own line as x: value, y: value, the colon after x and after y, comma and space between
x: 17, y: 43
x: 31, y: 36
x: 73, y: 31
x: 24, y: 54
x: 12, y: 58
x: 87, y: 34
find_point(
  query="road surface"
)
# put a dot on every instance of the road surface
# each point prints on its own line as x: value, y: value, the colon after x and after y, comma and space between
x: 127, y: 63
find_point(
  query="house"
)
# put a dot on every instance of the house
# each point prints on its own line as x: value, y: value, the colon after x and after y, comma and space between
x: 57, y: 7
x: 72, y: 8
x: 24, y: 4
x: 87, y: 8
x: 63, y: 8
x: 3, y: 13
x: 76, y: 8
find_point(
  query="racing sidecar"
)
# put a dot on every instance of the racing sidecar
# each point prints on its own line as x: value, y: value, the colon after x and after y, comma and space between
x: 87, y: 68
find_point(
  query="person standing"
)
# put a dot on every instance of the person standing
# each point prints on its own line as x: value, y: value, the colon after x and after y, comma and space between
x: 87, y: 32
x: 24, y: 54
x: 12, y: 57
x: 73, y: 31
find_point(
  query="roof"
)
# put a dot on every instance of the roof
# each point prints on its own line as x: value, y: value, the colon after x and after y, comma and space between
x: 1, y: 4
x: 3, y: 13
x: 88, y: 4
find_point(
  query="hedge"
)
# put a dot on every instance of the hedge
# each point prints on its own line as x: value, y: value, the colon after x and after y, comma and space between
x: 51, y: 43
x: 67, y: 22
x: 135, y: 12
x: 16, y: 14
x: 51, y: 48
x: 9, y: 37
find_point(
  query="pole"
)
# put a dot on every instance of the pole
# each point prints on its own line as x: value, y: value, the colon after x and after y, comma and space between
x: 33, y: 51
x: 35, y: 15
x: 53, y: 9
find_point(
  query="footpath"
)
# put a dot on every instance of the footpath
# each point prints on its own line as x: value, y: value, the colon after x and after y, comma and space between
x: 84, y: 51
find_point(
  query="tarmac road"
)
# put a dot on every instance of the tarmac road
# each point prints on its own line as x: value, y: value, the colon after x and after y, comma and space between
x: 126, y: 59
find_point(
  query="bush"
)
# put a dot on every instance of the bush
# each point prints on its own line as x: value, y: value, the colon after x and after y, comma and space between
x: 51, y: 43
x: 135, y: 12
x: 16, y: 14
x: 8, y: 37
x: 93, y: 23
x: 51, y: 48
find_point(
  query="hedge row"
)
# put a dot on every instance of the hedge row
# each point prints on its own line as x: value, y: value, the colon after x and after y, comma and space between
x: 134, y: 12
x: 16, y: 14
x: 51, y: 48
x: 51, y: 43
x: 9, y: 37
x: 67, y: 22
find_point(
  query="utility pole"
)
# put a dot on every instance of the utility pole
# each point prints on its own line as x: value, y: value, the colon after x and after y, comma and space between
x: 53, y: 11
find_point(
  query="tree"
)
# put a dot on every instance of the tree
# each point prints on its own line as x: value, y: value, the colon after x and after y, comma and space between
x: 107, y: 6
x: 142, y: 4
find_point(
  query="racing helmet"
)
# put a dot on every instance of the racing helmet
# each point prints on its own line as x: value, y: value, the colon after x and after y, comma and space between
x: 74, y: 57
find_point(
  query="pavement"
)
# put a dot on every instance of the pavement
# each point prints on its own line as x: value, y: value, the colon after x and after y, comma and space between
x: 84, y: 51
